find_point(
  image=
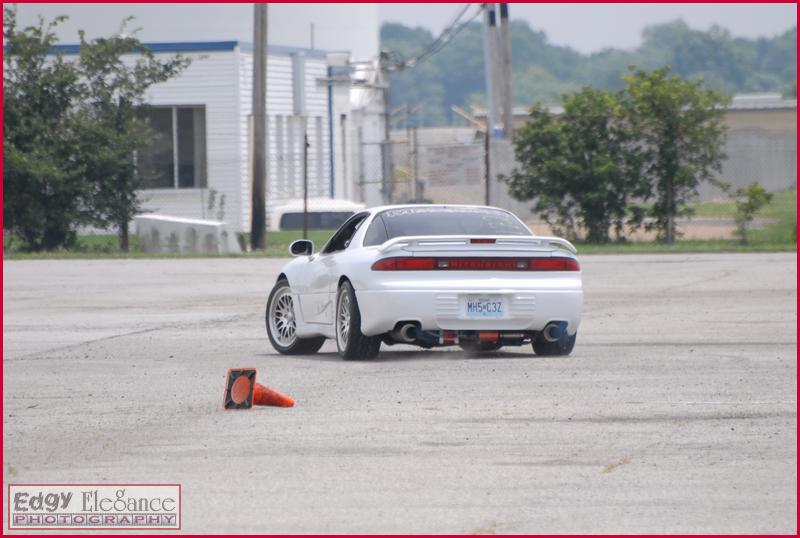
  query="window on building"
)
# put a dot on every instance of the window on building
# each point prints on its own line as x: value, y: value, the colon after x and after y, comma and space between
x: 176, y: 156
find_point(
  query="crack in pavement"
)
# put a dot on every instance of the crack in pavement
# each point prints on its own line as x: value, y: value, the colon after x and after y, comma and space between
x: 162, y: 327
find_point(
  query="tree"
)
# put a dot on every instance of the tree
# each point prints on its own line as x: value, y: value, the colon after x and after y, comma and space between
x: 455, y: 74
x: 537, y: 85
x: 71, y: 132
x: 112, y: 89
x: 580, y: 167
x: 680, y: 126
x: 748, y: 200
x: 43, y: 187
x: 420, y: 85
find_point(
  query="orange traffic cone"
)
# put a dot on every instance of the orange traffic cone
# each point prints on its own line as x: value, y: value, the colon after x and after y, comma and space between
x: 266, y: 396
x: 239, y: 388
x: 242, y: 391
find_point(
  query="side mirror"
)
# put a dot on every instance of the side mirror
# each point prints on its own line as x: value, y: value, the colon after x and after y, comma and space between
x: 301, y: 247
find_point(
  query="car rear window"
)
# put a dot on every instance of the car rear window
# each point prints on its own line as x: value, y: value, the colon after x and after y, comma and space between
x: 441, y: 221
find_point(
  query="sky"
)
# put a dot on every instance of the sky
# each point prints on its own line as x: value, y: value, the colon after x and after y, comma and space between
x: 350, y: 27
x: 354, y: 27
x: 592, y: 27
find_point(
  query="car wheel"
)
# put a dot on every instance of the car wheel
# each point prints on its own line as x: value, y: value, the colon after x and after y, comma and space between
x: 479, y: 347
x: 350, y: 342
x: 553, y: 349
x: 282, y: 326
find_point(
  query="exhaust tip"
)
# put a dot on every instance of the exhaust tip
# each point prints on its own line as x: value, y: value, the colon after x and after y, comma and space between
x: 409, y: 332
x: 406, y: 332
x: 554, y: 331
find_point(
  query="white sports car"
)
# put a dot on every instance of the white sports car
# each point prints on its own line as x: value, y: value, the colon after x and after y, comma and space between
x: 429, y: 275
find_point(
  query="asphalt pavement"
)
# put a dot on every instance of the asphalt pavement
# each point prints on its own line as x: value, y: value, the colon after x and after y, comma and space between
x: 677, y: 411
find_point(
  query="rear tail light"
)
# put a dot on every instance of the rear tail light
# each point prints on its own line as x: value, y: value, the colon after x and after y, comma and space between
x: 554, y: 264
x: 476, y: 264
x: 404, y: 264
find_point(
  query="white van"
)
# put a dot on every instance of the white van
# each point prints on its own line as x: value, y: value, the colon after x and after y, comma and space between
x: 323, y: 214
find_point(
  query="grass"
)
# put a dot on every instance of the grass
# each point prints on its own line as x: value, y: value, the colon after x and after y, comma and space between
x: 783, y: 206
x: 278, y: 242
x: 105, y: 246
x: 778, y: 235
x: 780, y: 214
x: 686, y: 246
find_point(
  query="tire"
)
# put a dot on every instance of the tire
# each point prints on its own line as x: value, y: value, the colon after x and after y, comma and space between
x: 480, y: 347
x: 350, y: 342
x: 280, y: 321
x: 554, y: 349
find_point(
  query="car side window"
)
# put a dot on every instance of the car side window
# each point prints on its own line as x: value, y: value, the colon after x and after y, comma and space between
x: 341, y: 239
x: 376, y: 233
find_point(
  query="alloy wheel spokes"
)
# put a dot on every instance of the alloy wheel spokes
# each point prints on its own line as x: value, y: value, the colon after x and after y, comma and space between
x: 282, y: 319
x: 343, y: 318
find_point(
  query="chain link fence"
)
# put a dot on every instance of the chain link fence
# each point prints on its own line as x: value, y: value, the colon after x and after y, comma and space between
x: 450, y: 166
x: 427, y: 169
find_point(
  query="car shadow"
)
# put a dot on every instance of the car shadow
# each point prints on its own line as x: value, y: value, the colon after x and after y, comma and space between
x: 441, y: 354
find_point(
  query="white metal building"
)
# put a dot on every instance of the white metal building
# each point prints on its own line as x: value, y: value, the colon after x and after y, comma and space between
x: 198, y: 165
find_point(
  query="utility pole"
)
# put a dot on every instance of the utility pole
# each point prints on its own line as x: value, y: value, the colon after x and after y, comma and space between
x: 491, y: 67
x: 484, y: 130
x: 505, y: 78
x: 361, y: 176
x: 492, y: 89
x: 386, y: 153
x: 412, y: 190
x: 305, y: 179
x: 345, y: 177
x: 418, y: 195
x: 486, y: 165
x: 259, y: 164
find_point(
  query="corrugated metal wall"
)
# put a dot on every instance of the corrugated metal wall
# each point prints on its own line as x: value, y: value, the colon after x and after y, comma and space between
x: 211, y: 81
x: 285, y: 130
x: 221, y: 81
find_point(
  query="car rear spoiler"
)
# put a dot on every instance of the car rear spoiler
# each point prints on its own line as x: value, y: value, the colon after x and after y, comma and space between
x: 514, y: 243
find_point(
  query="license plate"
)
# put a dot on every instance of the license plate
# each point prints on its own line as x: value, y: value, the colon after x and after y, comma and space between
x: 484, y: 307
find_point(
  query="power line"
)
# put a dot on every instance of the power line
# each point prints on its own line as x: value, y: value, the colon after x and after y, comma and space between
x: 451, y: 31
x: 446, y: 36
x: 442, y: 39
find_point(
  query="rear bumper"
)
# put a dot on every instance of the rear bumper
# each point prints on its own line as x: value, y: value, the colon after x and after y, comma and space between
x: 528, y: 309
